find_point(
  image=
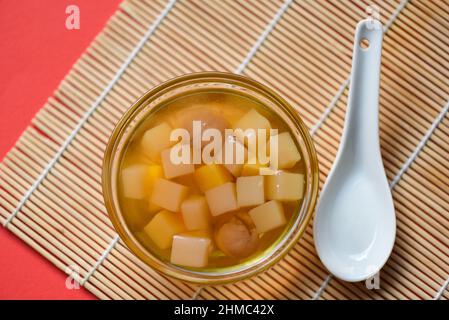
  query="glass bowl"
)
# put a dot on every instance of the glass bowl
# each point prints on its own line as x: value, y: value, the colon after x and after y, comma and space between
x: 154, y: 100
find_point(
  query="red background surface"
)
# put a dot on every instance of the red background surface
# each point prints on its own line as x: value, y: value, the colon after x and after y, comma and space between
x: 36, y: 51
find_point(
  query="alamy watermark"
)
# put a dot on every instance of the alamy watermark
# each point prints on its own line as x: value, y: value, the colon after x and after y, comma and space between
x: 373, y: 12
x: 373, y: 283
x: 209, y: 147
x: 72, y: 22
x: 71, y: 282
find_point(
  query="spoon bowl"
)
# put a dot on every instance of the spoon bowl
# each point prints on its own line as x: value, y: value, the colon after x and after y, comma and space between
x: 355, y: 226
x: 355, y: 239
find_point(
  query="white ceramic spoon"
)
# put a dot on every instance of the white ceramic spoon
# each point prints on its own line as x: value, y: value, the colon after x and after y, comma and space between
x: 355, y: 224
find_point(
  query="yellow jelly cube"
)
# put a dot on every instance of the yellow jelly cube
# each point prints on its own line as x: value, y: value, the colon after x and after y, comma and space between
x: 250, y: 191
x: 168, y: 195
x: 222, y: 199
x: 163, y: 227
x: 154, y: 173
x: 268, y: 216
x: 172, y: 170
x: 288, y: 154
x: 195, y: 213
x: 190, y: 251
x: 155, y: 140
x: 138, y: 180
x: 210, y: 176
x: 284, y: 186
x: 232, y: 155
x: 251, y: 120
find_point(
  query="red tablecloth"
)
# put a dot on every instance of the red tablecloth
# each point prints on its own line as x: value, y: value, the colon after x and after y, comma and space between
x: 36, y: 51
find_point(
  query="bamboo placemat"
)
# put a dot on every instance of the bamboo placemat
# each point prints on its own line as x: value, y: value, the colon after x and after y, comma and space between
x: 50, y: 181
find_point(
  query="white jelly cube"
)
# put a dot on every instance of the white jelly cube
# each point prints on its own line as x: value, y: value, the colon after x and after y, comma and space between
x: 172, y: 170
x: 168, y: 195
x: 284, y: 186
x: 138, y: 180
x: 250, y: 191
x: 195, y: 213
x: 155, y: 140
x: 190, y: 251
x: 222, y: 199
x: 133, y: 182
x: 252, y: 120
x: 288, y: 154
x: 232, y: 155
x: 268, y: 216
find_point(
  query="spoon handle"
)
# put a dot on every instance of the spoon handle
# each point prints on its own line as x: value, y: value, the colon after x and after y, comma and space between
x: 362, y: 116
